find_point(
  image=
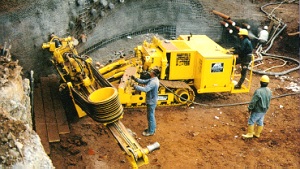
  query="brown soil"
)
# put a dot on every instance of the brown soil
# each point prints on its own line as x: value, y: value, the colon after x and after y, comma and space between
x: 199, y: 136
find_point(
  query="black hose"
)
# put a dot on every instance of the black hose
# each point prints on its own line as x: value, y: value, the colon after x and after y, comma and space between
x: 243, y: 103
x: 225, y: 105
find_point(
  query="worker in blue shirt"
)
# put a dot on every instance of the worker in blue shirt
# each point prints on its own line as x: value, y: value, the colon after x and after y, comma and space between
x: 151, y: 89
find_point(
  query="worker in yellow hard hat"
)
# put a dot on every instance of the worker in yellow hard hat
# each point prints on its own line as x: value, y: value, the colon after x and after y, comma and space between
x: 258, y: 107
x: 244, y: 55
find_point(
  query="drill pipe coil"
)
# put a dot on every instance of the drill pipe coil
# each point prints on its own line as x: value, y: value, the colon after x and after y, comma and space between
x: 105, y: 105
x: 93, y: 109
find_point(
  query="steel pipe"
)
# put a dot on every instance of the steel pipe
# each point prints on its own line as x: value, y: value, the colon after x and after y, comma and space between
x: 224, y: 23
x: 221, y: 14
x: 246, y: 25
x: 237, y: 28
x: 231, y: 22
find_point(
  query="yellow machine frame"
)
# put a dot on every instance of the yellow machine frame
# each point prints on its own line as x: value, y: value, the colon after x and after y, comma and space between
x: 196, y: 60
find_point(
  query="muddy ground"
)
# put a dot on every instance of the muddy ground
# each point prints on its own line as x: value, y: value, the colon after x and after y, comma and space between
x: 202, y: 136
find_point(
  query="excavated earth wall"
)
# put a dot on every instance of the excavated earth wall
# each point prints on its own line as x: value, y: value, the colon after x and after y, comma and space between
x: 28, y: 24
x: 20, y: 146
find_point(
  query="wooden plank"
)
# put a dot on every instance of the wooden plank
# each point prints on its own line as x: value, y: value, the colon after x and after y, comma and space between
x: 60, y: 114
x: 39, y: 118
x: 42, y: 132
x: 51, y: 123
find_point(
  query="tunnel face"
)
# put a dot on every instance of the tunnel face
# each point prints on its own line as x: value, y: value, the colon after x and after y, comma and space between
x: 101, y: 22
x: 27, y: 29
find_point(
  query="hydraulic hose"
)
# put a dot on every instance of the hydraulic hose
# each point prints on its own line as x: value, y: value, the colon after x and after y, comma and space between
x: 283, y: 72
x: 260, y: 53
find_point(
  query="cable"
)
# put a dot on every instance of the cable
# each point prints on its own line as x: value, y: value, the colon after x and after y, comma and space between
x: 225, y: 105
x: 259, y: 50
x: 243, y: 103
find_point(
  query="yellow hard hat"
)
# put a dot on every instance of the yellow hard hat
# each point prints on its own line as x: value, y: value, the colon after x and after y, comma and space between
x: 243, y: 32
x: 265, y: 79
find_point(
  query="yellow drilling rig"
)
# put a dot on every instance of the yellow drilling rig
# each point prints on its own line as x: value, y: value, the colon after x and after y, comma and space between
x: 93, y: 95
x: 189, y: 64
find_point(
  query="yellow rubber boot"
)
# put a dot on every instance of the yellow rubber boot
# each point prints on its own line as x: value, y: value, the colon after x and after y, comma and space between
x: 259, y: 130
x: 250, y: 132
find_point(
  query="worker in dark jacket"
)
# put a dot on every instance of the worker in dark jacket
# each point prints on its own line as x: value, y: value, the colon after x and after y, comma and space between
x: 258, y: 107
x: 151, y: 90
x: 244, y: 55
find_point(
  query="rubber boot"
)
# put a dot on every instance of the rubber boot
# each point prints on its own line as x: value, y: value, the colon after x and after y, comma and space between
x: 250, y: 132
x: 259, y: 130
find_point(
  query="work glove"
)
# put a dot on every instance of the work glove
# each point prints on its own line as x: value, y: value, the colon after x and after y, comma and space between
x: 133, y: 78
x: 231, y: 50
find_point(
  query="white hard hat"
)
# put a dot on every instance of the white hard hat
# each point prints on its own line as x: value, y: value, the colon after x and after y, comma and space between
x: 265, y: 27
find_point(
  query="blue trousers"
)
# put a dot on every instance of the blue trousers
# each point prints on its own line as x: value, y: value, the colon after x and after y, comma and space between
x: 151, y: 118
x: 257, y: 118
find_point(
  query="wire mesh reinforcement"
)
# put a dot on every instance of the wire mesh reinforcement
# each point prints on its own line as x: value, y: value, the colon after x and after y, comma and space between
x: 167, y: 31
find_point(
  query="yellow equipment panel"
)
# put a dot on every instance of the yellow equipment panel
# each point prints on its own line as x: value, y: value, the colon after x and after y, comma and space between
x: 181, y: 66
x: 211, y: 64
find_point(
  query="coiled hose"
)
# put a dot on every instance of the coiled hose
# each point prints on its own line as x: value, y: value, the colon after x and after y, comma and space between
x: 260, y: 53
